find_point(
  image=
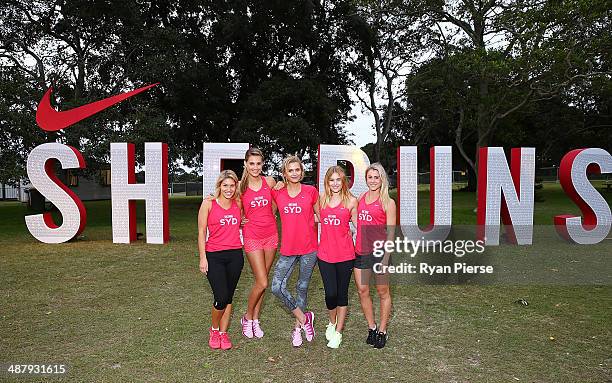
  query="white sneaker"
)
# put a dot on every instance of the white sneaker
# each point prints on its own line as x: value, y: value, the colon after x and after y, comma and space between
x: 257, y: 331
x: 329, y: 332
x: 247, y: 327
x: 296, y: 337
x: 335, y: 340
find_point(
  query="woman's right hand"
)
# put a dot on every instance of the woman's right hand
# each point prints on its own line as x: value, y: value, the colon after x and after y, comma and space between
x: 204, y: 265
x: 209, y: 197
x: 279, y: 185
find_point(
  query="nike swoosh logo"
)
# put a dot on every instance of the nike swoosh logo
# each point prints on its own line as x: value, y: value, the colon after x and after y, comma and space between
x: 52, y: 120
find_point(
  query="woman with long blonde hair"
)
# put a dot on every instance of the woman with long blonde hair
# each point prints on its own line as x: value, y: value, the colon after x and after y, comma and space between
x: 221, y: 253
x: 297, y: 204
x: 376, y: 216
x: 336, y: 252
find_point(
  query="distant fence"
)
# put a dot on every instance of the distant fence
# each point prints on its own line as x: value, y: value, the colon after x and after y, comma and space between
x: 185, y: 188
x: 460, y: 179
x: 9, y: 192
x: 551, y: 174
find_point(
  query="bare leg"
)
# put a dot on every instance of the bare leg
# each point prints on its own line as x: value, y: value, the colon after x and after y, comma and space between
x: 225, y: 319
x: 300, y: 318
x: 333, y: 315
x: 216, y: 317
x: 362, y: 278
x: 385, y: 305
x: 342, y: 310
x: 269, y: 255
x: 257, y: 262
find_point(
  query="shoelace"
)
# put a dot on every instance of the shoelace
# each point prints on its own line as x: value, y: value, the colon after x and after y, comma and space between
x: 308, y: 328
x: 296, y: 333
x: 245, y: 324
x: 215, y: 336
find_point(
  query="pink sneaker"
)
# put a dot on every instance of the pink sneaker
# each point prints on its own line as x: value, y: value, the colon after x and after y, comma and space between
x: 296, y: 337
x: 214, y: 340
x: 247, y: 327
x: 226, y: 343
x: 257, y: 331
x: 309, y: 326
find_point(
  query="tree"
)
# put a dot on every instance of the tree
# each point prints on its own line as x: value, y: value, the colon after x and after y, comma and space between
x: 68, y: 46
x: 214, y: 62
x: 511, y: 53
x: 388, y: 42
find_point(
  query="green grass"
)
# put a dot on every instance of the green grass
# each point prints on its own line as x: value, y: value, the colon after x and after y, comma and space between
x: 140, y: 312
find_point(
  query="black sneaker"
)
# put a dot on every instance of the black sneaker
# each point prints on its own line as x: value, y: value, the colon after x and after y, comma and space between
x: 381, y: 339
x: 372, y: 336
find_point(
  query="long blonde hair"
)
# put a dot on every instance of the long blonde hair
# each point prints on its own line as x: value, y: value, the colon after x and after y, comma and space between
x: 384, y: 188
x: 345, y: 194
x: 288, y: 161
x: 225, y: 174
x: 244, y: 180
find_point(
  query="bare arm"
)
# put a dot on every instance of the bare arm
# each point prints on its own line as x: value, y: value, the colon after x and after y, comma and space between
x: 270, y: 181
x: 317, y: 211
x: 202, y: 226
x: 353, y: 210
x: 272, y: 184
x: 391, y: 219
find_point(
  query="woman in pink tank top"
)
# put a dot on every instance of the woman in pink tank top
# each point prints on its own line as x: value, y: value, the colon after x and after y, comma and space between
x: 259, y: 233
x: 336, y: 251
x: 375, y: 222
x: 297, y: 205
x: 221, y: 253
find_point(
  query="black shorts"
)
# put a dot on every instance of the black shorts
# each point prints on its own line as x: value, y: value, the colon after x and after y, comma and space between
x: 365, y: 262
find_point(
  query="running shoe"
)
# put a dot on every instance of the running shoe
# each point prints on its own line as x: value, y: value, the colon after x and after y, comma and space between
x: 372, y: 335
x: 257, y: 331
x: 296, y: 337
x: 335, y: 340
x: 329, y: 331
x: 247, y: 327
x: 214, y: 340
x: 226, y: 343
x: 381, y: 339
x: 308, y: 326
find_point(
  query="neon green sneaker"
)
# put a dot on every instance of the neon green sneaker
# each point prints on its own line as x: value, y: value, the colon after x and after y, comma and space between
x: 329, y: 332
x: 335, y: 341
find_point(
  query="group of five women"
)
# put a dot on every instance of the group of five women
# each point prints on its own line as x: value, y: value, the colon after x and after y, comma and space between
x: 251, y: 203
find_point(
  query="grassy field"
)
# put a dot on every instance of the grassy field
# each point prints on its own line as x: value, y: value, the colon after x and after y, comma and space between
x: 140, y: 312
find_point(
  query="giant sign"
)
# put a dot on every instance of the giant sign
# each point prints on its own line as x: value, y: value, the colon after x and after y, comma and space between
x: 505, y: 191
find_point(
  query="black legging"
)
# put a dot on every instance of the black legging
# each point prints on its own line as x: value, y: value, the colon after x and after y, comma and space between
x: 336, y: 278
x: 224, y: 268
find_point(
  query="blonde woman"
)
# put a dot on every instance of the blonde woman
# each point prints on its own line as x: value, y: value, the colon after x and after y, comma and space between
x: 297, y: 205
x: 376, y: 215
x: 336, y: 251
x: 221, y: 253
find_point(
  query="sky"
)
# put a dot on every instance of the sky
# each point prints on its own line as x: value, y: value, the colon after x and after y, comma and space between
x: 362, y: 127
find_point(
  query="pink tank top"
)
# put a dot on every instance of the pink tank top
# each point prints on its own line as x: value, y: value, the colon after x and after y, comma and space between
x: 336, y: 242
x: 223, y: 228
x: 257, y: 207
x: 299, y: 235
x: 371, y: 225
